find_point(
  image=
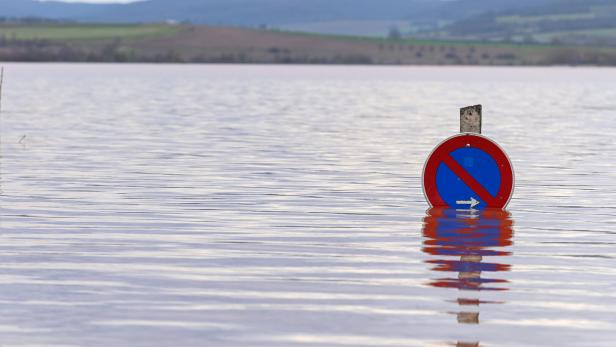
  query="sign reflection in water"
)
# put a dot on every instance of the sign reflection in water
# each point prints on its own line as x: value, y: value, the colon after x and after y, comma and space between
x: 468, y: 242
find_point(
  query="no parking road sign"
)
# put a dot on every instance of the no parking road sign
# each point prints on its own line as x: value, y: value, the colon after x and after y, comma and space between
x: 468, y: 171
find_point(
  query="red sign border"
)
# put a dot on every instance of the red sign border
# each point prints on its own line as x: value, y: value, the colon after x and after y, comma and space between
x: 476, y: 141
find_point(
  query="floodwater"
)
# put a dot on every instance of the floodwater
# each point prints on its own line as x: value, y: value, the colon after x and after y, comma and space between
x: 149, y: 205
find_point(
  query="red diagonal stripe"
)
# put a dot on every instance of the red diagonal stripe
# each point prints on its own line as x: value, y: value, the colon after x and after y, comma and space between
x: 469, y: 180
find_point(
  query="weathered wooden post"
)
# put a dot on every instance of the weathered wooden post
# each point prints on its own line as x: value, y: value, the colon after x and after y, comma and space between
x: 470, y: 119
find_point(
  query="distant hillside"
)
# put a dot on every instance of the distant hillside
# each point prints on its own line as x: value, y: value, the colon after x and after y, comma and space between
x: 581, y: 22
x: 584, y: 22
x: 330, y: 16
x: 227, y: 12
x: 455, y: 10
x: 268, y: 12
x: 53, y: 10
x: 207, y: 44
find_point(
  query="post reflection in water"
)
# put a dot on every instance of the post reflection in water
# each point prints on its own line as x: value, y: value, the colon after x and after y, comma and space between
x: 465, y: 242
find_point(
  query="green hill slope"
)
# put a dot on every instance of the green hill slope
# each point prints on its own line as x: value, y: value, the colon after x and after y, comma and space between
x: 578, y: 22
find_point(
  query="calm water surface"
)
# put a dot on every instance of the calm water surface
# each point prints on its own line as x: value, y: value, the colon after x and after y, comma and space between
x: 282, y: 206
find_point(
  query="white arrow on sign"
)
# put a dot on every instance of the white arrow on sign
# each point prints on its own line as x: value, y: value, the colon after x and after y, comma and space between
x: 472, y: 202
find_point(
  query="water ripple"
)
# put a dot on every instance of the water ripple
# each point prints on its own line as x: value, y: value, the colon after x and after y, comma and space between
x: 278, y: 206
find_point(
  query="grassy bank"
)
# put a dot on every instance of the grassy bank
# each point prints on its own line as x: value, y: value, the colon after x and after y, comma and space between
x: 206, y: 44
x: 84, y: 32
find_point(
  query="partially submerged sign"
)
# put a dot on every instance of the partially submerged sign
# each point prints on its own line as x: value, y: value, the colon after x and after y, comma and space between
x: 468, y: 171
